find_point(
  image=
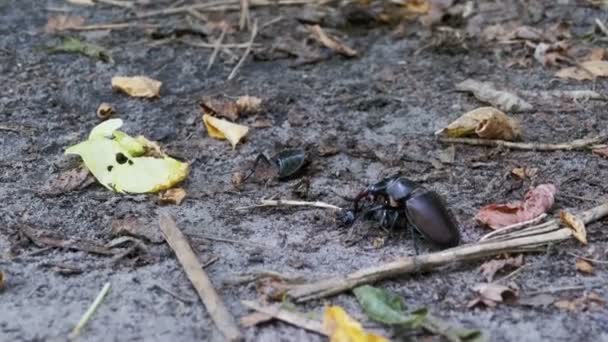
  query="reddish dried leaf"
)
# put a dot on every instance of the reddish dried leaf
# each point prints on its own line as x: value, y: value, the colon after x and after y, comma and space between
x: 70, y: 180
x: 490, y: 294
x: 602, y: 152
x: 330, y: 42
x: 536, y: 202
x: 220, y: 107
x: 62, y: 22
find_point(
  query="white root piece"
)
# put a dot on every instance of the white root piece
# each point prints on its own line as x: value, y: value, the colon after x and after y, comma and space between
x: 286, y: 203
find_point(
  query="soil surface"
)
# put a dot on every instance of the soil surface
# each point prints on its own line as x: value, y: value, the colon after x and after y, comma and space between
x: 360, y: 118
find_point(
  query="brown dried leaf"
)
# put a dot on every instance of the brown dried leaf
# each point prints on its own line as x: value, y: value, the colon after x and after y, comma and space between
x: 2, y: 280
x: 582, y: 303
x: 491, y: 267
x: 486, y: 123
x: 331, y: 42
x: 173, y: 196
x: 138, y: 228
x: 490, y: 294
x: 66, y: 181
x: 137, y: 86
x: 536, y: 202
x: 524, y: 172
x: 104, y: 111
x: 602, y: 152
x: 237, y: 178
x: 596, y: 54
x: 576, y: 224
x: 588, y: 70
x: 487, y: 92
x: 220, y: 107
x: 584, y: 266
x: 248, y: 104
x: 62, y: 22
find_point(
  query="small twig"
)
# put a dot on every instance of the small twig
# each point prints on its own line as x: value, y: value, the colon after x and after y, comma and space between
x: 173, y: 294
x: 595, y: 261
x: 226, y: 240
x: 216, y: 48
x: 254, y: 32
x: 279, y: 203
x: 407, y: 265
x: 111, y: 26
x: 200, y: 280
x: 89, y: 313
x: 211, y: 261
x: 245, y: 19
x: 601, y: 26
x: 566, y: 288
x: 123, y: 4
x: 511, y: 275
x: 579, y: 144
x: 198, y: 15
x: 12, y: 129
x: 212, y: 46
x: 514, y: 227
x: 271, y: 22
x: 290, y: 317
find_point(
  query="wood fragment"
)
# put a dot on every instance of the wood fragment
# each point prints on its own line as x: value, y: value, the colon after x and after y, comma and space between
x: 254, y: 32
x: 117, y: 3
x: 173, y: 294
x: 579, y: 144
x: 245, y: 19
x: 408, y: 265
x: 112, y: 26
x: 513, y: 227
x: 331, y: 43
x: 287, y: 316
x: 185, y: 255
x: 80, y: 245
x: 90, y: 311
x: 226, y: 240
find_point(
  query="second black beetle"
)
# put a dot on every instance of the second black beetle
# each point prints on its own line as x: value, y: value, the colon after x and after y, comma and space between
x: 287, y: 163
x: 397, y: 201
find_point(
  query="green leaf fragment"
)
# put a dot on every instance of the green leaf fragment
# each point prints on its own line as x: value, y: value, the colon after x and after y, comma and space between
x: 114, y: 158
x: 73, y: 45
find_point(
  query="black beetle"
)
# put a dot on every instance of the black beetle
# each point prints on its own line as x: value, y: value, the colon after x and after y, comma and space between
x: 286, y: 162
x: 400, y: 201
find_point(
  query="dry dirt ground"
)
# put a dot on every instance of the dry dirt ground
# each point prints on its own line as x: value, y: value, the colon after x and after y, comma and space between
x: 379, y: 110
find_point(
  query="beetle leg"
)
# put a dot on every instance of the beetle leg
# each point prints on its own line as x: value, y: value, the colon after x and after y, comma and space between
x: 392, y: 227
x: 260, y: 157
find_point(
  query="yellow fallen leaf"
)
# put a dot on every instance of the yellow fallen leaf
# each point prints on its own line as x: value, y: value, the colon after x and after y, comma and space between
x: 585, y: 71
x: 486, y: 123
x: 342, y: 328
x: 222, y: 129
x: 117, y: 161
x: 418, y: 6
x: 137, y: 86
x: 576, y: 224
x: 584, y: 266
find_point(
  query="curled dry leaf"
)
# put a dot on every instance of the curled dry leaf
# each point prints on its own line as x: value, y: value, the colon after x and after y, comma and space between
x: 221, y: 107
x: 536, y: 202
x: 248, y: 104
x: 104, y: 111
x: 222, y: 129
x: 330, y: 42
x: 484, y: 122
x: 588, y: 70
x: 487, y: 92
x: 340, y: 327
x: 137, y: 86
x: 173, y: 196
x: 576, y: 224
x: 490, y: 294
x: 490, y: 268
x: 70, y: 180
x: 62, y: 22
x: 584, y: 266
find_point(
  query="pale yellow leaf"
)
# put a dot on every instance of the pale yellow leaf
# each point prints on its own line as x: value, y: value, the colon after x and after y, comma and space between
x: 137, y: 86
x: 584, y: 266
x: 222, y: 129
x: 342, y: 328
x: 576, y: 224
x: 486, y: 123
x: 248, y: 104
x: 585, y: 71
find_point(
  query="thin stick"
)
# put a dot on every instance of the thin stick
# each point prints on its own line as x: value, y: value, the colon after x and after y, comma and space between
x: 254, y: 32
x: 216, y: 48
x: 201, y: 282
x: 111, y: 26
x: 198, y: 15
x: 245, y: 19
x: 566, y: 288
x: 580, y: 144
x: 212, y: 45
x: 279, y: 203
x: 226, y: 240
x: 90, y: 311
x: 407, y: 265
x: 123, y: 4
x: 173, y: 294
x: 287, y: 316
x: 513, y: 227
x: 595, y: 261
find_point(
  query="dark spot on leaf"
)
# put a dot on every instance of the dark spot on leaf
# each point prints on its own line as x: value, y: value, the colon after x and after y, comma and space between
x: 121, y: 158
x: 130, y: 162
x: 110, y: 167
